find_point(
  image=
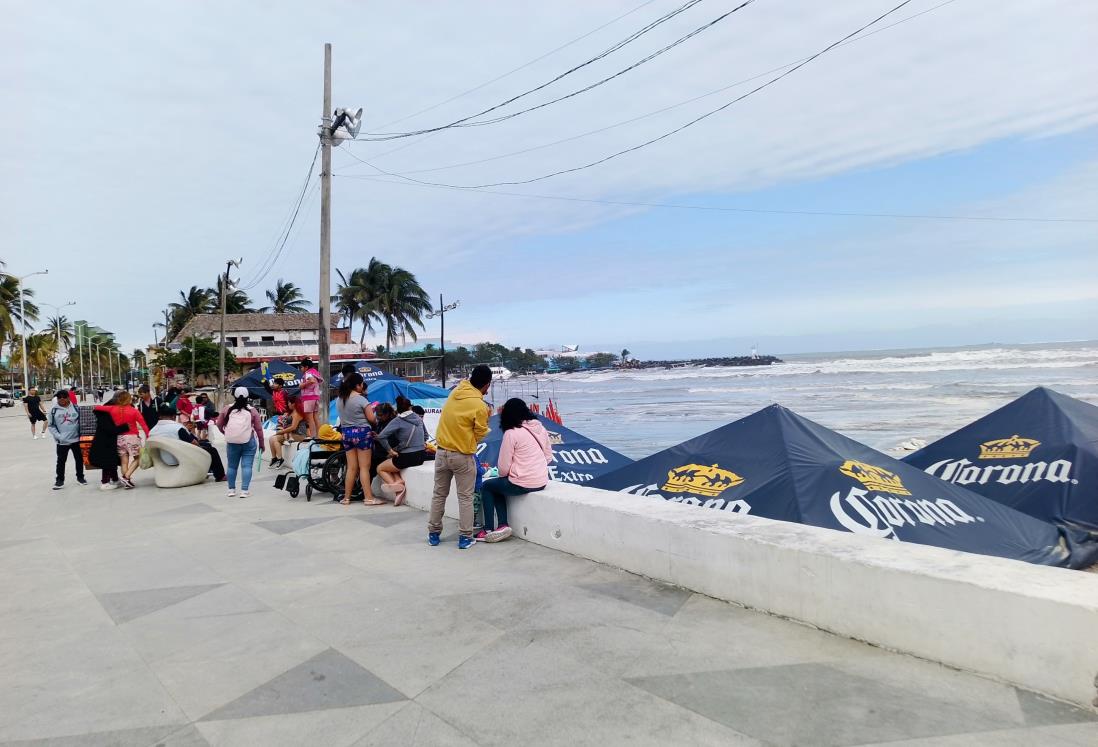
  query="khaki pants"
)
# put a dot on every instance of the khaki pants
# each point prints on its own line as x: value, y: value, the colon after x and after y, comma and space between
x: 462, y: 468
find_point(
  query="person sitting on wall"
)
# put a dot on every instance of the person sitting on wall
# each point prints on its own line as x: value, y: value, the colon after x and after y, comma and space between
x: 524, y: 458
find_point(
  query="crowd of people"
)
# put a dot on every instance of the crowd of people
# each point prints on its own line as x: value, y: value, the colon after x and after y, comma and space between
x: 378, y: 439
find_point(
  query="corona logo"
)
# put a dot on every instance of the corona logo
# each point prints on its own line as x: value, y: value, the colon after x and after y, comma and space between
x: 1014, y: 447
x: 555, y: 439
x: 697, y: 478
x: 874, y: 478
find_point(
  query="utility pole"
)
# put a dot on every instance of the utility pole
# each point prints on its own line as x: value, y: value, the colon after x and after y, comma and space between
x: 324, y: 336
x: 80, y: 356
x: 224, y: 296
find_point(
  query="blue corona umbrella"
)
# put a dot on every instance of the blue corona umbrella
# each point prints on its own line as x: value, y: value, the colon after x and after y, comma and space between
x: 253, y: 380
x: 368, y: 371
x: 1038, y: 454
x: 779, y: 465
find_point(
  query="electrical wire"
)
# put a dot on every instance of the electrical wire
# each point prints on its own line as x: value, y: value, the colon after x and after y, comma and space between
x: 381, y: 136
x: 602, y: 81
x: 664, y: 136
x: 726, y: 209
x: 649, y: 114
x: 280, y: 243
x: 511, y: 72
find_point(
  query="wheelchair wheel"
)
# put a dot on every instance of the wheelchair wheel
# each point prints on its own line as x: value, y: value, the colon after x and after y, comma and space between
x: 335, y: 473
x: 309, y: 492
x: 292, y: 486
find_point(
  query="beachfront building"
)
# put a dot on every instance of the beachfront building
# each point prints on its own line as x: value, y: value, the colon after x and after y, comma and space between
x: 259, y: 338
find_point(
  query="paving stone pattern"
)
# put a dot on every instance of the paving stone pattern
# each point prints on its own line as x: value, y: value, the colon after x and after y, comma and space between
x: 182, y: 618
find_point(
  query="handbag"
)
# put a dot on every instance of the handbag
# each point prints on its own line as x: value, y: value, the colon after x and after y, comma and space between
x: 146, y: 460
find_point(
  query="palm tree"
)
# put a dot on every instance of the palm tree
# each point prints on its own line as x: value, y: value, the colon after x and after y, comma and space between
x: 625, y: 355
x: 237, y: 302
x: 358, y: 293
x: 60, y: 324
x: 40, y: 350
x: 286, y: 298
x: 11, y: 323
x: 190, y: 304
x: 402, y: 304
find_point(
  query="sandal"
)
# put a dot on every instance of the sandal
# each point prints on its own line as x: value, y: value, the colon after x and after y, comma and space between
x: 346, y: 501
x: 399, y: 494
x: 372, y: 502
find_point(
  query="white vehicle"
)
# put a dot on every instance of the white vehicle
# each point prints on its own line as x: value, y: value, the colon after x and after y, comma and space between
x: 6, y: 400
x: 500, y: 373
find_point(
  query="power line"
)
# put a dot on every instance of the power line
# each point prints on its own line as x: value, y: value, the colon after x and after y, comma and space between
x: 725, y: 209
x: 511, y: 72
x: 607, y: 79
x: 265, y: 267
x: 381, y: 136
x: 651, y: 113
x: 658, y: 138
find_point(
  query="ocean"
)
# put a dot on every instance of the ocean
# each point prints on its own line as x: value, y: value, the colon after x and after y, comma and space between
x: 881, y: 398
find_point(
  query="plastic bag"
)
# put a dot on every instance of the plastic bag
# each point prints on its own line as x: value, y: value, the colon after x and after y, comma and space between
x: 146, y: 460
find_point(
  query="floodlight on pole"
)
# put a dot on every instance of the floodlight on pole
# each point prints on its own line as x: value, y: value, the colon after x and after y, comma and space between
x: 440, y: 312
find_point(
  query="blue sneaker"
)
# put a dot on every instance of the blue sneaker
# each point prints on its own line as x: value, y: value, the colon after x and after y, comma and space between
x: 464, y: 543
x: 433, y: 539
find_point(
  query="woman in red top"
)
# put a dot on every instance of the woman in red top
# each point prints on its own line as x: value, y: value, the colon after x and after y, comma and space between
x: 123, y: 413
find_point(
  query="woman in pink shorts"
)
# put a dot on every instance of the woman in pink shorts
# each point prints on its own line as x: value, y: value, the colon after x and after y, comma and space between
x: 123, y: 413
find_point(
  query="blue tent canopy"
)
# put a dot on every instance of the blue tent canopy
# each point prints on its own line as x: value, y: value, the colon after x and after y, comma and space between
x: 1037, y: 454
x: 253, y: 380
x: 779, y: 465
x: 368, y: 371
x: 576, y: 458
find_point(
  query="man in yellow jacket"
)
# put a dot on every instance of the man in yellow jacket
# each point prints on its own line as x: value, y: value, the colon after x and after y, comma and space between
x: 464, y: 422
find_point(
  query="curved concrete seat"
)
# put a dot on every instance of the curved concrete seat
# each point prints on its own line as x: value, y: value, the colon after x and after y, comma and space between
x: 193, y: 465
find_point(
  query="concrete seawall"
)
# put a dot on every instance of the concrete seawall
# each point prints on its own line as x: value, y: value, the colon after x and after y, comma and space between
x: 1032, y: 626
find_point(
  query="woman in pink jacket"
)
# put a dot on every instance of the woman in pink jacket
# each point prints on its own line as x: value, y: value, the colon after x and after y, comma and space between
x: 523, y: 465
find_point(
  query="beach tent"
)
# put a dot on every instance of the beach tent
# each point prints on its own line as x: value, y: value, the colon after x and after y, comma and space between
x: 576, y: 458
x: 430, y: 398
x: 1038, y: 454
x: 779, y: 465
x: 253, y: 380
x: 368, y: 371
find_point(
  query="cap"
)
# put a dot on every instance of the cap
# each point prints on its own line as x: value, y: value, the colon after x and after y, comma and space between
x: 240, y: 391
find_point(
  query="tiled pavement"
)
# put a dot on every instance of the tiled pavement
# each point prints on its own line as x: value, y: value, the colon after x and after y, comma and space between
x: 183, y: 617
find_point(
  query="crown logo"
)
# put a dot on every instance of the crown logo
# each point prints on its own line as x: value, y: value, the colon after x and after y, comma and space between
x: 1014, y: 447
x: 555, y: 439
x: 697, y: 478
x: 874, y: 478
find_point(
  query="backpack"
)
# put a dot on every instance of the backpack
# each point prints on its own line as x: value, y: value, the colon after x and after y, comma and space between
x: 238, y: 426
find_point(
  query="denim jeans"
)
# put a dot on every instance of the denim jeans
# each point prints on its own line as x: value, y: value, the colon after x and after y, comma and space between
x: 241, y: 456
x: 493, y: 496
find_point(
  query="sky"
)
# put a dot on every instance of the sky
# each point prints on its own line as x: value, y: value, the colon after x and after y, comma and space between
x: 144, y: 144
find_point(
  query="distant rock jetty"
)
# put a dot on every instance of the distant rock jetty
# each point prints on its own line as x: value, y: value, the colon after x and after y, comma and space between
x: 739, y: 360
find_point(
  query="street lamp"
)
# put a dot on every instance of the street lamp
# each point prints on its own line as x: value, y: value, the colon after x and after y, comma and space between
x: 23, y: 314
x: 57, y: 320
x: 440, y: 312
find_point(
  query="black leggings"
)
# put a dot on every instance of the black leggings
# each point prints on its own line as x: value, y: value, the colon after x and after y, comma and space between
x: 493, y: 498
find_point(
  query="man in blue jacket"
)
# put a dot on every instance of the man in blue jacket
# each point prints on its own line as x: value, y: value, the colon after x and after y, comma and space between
x: 63, y: 423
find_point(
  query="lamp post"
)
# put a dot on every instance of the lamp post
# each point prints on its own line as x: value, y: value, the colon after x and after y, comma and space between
x: 440, y: 312
x: 23, y: 315
x: 57, y: 324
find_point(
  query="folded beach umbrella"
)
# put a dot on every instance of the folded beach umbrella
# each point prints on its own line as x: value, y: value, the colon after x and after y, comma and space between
x: 1038, y: 454
x: 368, y: 371
x: 779, y: 465
x: 253, y: 380
x: 576, y: 458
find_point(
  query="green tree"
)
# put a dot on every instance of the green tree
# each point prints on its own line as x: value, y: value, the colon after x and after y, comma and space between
x: 191, y: 303
x: 237, y: 302
x: 66, y: 330
x: 625, y: 356
x: 601, y: 360
x: 286, y: 298
x: 11, y: 323
x: 402, y: 304
x: 357, y: 295
x: 206, y: 357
